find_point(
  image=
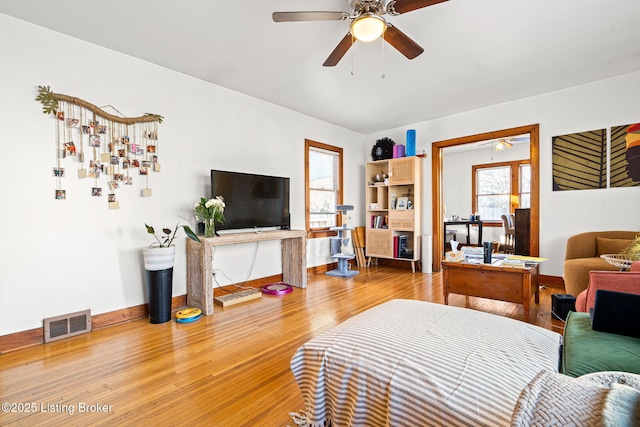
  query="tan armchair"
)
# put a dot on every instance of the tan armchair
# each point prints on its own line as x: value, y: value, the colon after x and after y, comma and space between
x: 583, y: 255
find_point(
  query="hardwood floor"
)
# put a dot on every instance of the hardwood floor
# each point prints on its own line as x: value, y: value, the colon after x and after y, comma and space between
x: 229, y: 369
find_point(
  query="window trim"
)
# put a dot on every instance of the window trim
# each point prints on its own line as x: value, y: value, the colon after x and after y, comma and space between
x: 324, y: 231
x: 515, y: 186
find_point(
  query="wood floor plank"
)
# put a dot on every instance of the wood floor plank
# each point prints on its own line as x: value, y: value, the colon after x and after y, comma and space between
x: 229, y: 369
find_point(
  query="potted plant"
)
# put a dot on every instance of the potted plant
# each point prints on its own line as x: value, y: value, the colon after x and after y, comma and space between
x: 210, y: 211
x: 632, y: 251
x: 158, y: 264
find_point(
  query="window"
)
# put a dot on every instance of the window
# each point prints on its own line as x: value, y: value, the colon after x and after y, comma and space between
x: 500, y: 188
x: 525, y: 186
x: 323, y: 174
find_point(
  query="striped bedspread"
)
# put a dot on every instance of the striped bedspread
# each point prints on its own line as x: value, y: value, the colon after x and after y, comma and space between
x: 414, y: 363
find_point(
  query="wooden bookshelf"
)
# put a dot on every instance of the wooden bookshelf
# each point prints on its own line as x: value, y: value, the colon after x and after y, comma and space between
x: 394, y: 209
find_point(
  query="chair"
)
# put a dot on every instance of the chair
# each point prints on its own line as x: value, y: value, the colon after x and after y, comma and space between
x: 509, y: 233
x: 619, y: 281
x: 358, y: 236
x: 583, y: 255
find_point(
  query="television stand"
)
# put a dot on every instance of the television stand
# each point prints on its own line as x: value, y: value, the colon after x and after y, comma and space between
x: 200, y: 268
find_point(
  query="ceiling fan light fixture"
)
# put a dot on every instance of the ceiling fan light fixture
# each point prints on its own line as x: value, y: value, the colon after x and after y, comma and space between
x: 368, y: 27
x: 502, y: 144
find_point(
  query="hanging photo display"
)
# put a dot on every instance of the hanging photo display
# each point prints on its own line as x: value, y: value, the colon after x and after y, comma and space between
x: 119, y: 150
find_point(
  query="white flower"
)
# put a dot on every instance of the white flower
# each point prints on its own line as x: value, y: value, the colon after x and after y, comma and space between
x: 216, y: 203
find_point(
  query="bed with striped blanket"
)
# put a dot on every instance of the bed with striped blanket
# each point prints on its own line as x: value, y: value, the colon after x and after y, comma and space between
x: 415, y: 363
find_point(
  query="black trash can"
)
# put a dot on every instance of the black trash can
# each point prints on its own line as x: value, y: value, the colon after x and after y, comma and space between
x: 160, y: 286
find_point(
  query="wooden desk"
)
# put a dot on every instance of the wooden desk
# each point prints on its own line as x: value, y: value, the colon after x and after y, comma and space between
x: 200, y: 268
x: 488, y: 281
x: 467, y: 223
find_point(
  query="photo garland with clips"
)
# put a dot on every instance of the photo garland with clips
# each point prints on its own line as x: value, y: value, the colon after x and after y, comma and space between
x: 118, y: 148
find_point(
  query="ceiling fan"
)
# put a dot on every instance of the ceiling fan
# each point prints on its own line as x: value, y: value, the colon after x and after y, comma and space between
x: 367, y: 24
x: 505, y: 143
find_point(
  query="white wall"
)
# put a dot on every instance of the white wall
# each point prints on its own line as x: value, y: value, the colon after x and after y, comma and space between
x: 597, y: 105
x: 64, y: 256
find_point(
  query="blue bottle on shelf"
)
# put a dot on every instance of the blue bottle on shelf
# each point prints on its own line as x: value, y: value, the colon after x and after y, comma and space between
x: 411, y: 143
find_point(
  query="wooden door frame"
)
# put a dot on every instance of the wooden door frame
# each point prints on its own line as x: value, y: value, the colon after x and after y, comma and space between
x: 437, y: 157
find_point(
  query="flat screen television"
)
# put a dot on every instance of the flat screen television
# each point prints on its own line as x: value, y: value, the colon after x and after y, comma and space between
x: 252, y: 201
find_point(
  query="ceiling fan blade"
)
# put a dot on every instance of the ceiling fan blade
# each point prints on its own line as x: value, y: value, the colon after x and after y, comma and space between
x: 404, y: 6
x: 402, y: 42
x: 339, y: 51
x: 309, y: 16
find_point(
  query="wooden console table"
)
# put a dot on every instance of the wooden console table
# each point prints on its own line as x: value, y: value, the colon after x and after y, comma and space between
x: 489, y: 281
x: 200, y: 268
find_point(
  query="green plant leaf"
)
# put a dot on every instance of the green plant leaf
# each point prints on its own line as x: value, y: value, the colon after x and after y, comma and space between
x: 166, y: 231
x: 190, y: 234
x: 632, y: 251
x: 150, y: 229
x: 47, y: 99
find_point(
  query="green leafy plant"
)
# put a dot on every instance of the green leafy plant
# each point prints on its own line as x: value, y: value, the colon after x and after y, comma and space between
x: 169, y: 235
x: 632, y: 252
x: 47, y: 99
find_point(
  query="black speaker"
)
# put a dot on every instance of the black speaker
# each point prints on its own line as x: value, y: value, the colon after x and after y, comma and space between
x: 486, y: 252
x: 561, y: 305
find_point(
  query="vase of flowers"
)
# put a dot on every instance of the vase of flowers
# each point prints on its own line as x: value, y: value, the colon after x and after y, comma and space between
x: 210, y: 211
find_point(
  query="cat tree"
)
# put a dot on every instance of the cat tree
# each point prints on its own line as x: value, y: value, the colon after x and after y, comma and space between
x: 340, y: 246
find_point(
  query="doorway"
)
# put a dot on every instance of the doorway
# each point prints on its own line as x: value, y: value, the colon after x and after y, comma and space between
x: 437, y: 160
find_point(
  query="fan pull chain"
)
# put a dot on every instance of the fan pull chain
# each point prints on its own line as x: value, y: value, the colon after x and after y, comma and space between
x: 352, y: 54
x: 383, y: 58
x: 491, y: 148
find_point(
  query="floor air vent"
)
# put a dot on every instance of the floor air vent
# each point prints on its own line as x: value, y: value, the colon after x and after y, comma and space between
x: 67, y: 325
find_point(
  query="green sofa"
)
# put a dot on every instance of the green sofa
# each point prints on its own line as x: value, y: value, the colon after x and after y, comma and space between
x: 586, y: 351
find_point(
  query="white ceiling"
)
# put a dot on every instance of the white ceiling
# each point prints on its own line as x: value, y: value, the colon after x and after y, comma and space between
x: 477, y: 52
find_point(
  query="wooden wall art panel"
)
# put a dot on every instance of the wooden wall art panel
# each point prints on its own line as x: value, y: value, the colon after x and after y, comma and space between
x: 625, y: 156
x: 580, y: 160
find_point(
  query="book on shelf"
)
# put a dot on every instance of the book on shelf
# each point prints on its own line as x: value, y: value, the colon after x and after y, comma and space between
x: 377, y: 221
x: 396, y: 246
x: 400, y: 247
